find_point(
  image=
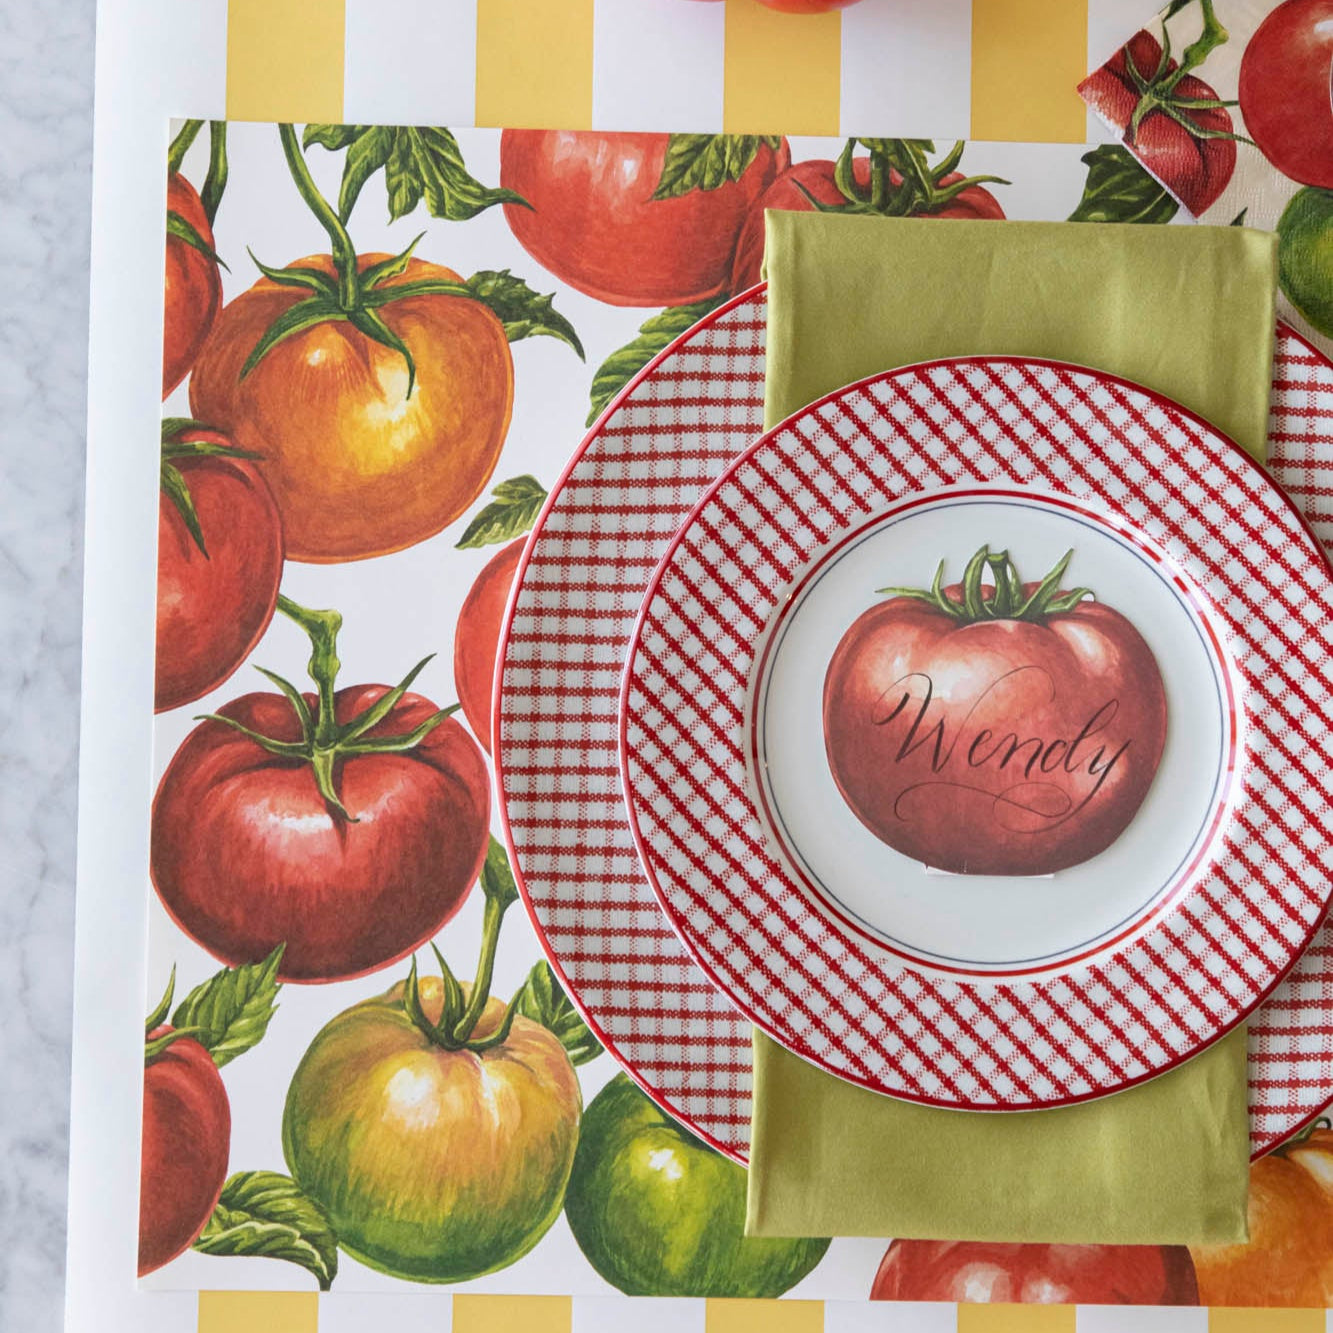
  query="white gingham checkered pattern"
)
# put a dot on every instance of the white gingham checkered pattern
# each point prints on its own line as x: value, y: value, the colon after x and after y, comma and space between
x: 696, y: 408
x: 875, y: 1018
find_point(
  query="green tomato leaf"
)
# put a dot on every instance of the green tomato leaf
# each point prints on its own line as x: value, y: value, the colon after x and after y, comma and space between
x: 707, y: 161
x: 543, y: 1001
x: 262, y: 1213
x: 1119, y: 189
x: 178, y: 227
x: 497, y: 880
x: 419, y: 162
x: 511, y: 512
x: 173, y: 486
x: 233, y: 1008
x: 523, y: 313
x: 654, y: 334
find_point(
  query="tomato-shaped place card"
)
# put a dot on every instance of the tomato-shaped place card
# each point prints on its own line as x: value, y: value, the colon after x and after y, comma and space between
x: 958, y: 741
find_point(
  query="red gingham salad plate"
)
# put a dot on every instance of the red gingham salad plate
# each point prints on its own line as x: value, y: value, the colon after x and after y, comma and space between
x: 608, y: 521
x: 988, y: 844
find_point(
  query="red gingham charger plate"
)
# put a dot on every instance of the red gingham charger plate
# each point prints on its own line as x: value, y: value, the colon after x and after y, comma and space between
x: 577, y: 595
x: 851, y: 955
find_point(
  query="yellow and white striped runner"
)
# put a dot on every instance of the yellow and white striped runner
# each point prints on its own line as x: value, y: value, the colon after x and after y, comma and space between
x: 981, y: 69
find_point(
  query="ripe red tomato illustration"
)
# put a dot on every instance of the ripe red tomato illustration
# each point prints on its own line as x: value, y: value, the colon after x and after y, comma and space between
x: 980, y: 1272
x: 246, y: 852
x: 213, y: 601
x: 193, y: 286
x: 816, y: 175
x: 807, y: 6
x: 1286, y: 90
x: 477, y: 639
x: 1186, y: 146
x: 595, y: 225
x: 433, y: 1164
x: 994, y: 733
x: 186, y: 1141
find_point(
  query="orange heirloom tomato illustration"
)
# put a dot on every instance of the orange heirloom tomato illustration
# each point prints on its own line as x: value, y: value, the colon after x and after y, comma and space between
x: 1288, y: 1259
x: 1005, y: 729
x: 364, y: 453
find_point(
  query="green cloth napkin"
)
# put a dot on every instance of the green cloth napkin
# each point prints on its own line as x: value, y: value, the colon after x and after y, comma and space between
x: 1187, y: 311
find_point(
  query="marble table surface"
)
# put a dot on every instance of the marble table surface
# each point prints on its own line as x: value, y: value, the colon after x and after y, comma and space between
x: 46, y: 96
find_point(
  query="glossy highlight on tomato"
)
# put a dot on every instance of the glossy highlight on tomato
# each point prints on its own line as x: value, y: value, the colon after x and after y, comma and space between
x: 593, y: 221
x: 432, y: 1165
x: 184, y: 1149
x: 358, y: 465
x: 982, y: 1272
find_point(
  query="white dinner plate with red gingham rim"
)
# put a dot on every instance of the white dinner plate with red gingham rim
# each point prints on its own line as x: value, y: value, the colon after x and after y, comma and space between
x: 688, y: 414
x: 1049, y: 980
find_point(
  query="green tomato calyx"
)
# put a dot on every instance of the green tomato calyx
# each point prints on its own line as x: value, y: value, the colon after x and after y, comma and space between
x: 324, y: 741
x: 1004, y: 599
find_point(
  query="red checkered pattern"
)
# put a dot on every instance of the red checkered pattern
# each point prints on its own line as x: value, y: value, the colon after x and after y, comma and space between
x: 873, y: 1017
x: 677, y: 427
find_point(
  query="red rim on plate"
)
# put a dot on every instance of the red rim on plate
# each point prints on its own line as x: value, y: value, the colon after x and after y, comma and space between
x: 978, y: 1018
x: 670, y: 433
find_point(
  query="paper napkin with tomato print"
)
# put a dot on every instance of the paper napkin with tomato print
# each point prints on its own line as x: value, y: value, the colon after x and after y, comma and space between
x: 1229, y: 103
x: 1164, y: 1163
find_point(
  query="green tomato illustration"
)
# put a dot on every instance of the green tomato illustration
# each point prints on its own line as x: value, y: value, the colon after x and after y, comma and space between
x: 1305, y: 256
x: 659, y: 1213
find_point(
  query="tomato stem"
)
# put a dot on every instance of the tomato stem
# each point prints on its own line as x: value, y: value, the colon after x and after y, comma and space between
x: 1004, y: 599
x: 216, y: 180
x: 344, y: 252
x: 180, y: 145
x: 324, y: 741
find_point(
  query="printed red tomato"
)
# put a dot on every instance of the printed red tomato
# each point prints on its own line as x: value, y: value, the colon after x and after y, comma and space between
x: 994, y: 733
x: 814, y: 178
x: 477, y: 639
x: 186, y: 1141
x: 193, y: 286
x: 349, y: 832
x: 980, y: 1272
x: 807, y: 6
x: 432, y: 1164
x: 1288, y: 1259
x: 595, y: 225
x: 657, y: 1212
x: 358, y: 466
x: 1188, y: 147
x: 1286, y: 90
x: 218, y: 584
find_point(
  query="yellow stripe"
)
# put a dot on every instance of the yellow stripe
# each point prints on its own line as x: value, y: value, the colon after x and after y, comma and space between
x: 782, y: 71
x: 285, y: 59
x: 764, y: 1316
x: 513, y: 1314
x: 258, y: 1311
x: 1027, y: 59
x: 534, y: 63
x: 1016, y: 1318
x: 1265, y: 1321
